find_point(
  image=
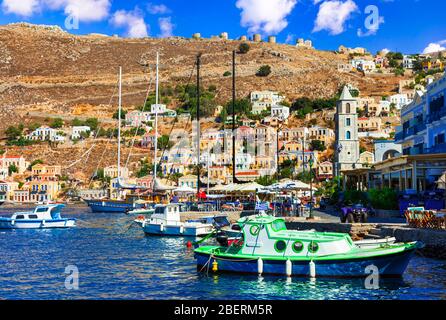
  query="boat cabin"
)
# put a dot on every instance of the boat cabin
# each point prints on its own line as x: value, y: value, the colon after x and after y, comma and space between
x: 170, y: 212
x: 267, y: 235
x: 47, y: 212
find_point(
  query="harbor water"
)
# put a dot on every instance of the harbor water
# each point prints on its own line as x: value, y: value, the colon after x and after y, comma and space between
x: 115, y: 260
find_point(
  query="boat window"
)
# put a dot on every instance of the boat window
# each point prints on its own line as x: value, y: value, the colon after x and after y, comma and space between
x: 41, y: 209
x: 278, y: 225
x: 298, y: 246
x: 20, y: 217
x: 313, y: 247
x: 280, y: 246
x: 159, y: 210
x: 33, y: 216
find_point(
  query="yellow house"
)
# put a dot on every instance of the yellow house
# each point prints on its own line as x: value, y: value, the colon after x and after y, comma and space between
x: 43, y: 190
x: 41, y: 169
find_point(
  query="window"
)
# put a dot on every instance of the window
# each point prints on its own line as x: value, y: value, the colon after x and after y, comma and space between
x: 347, y: 108
x: 348, y: 122
x: 280, y: 246
x: 348, y: 135
x: 33, y: 216
x: 298, y: 246
x: 20, y: 217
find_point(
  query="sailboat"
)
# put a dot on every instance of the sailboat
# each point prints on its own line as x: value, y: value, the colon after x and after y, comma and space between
x: 118, y: 205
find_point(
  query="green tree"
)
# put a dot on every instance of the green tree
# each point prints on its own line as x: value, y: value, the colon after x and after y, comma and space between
x: 227, y: 74
x: 57, y: 123
x: 243, y: 48
x: 12, y: 169
x: 264, y: 71
x: 317, y: 145
x: 123, y: 114
x: 266, y: 180
x: 13, y: 133
x: 164, y: 142
x: 93, y: 123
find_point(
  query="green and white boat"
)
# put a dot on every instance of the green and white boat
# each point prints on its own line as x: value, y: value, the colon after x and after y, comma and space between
x: 267, y: 247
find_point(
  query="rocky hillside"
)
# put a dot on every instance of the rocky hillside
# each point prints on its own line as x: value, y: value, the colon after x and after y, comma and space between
x: 44, y: 69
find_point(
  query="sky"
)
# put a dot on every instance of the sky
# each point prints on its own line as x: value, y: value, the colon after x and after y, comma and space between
x: 408, y: 26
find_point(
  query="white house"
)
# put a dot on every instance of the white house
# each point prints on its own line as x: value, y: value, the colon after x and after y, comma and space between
x: 262, y: 100
x: 408, y: 62
x: 162, y: 110
x: 280, y: 112
x: 399, y: 100
x: 76, y: 131
x: 363, y: 65
x: 45, y: 133
x: 137, y: 118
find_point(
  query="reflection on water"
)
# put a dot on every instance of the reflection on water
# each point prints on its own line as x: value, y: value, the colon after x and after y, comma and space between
x: 116, y: 261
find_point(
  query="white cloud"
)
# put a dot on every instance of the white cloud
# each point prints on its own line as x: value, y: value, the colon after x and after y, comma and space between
x: 24, y: 8
x: 385, y: 51
x: 333, y: 15
x: 265, y: 16
x: 84, y: 10
x: 166, y: 27
x: 132, y: 21
x: 434, y: 47
x: 158, y: 8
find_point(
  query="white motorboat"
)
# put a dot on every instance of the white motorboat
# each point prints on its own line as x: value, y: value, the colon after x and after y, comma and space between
x: 45, y: 216
x: 166, y: 221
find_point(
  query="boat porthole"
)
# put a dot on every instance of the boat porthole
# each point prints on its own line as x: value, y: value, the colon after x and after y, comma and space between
x: 280, y: 246
x: 313, y: 247
x: 298, y: 247
x: 254, y: 230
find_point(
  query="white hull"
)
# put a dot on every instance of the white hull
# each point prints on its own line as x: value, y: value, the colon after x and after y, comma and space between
x: 177, y: 230
x: 37, y: 224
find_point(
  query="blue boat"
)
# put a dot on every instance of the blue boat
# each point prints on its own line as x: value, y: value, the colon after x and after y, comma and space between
x: 267, y: 247
x: 113, y: 206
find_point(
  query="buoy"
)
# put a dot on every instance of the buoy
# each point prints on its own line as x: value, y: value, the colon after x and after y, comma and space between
x: 161, y: 228
x: 289, y: 268
x: 312, y: 269
x: 189, y: 244
x: 259, y: 266
x: 215, y: 266
x: 181, y: 229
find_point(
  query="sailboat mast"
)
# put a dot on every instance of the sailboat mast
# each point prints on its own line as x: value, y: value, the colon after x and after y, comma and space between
x: 119, y: 123
x: 156, y: 117
x: 198, y: 124
x: 233, y: 116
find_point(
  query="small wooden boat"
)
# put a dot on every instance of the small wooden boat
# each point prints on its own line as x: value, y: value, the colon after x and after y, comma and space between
x: 267, y: 247
x: 45, y: 216
x: 166, y: 221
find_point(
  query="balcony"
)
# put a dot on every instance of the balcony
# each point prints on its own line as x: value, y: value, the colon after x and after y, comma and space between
x: 439, y: 148
x: 435, y: 116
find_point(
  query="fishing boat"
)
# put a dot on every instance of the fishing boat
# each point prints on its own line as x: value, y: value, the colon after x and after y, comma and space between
x: 145, y: 210
x: 42, y: 217
x: 267, y: 247
x: 166, y: 221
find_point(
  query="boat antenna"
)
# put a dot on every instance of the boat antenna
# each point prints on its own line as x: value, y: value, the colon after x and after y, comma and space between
x: 198, y: 125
